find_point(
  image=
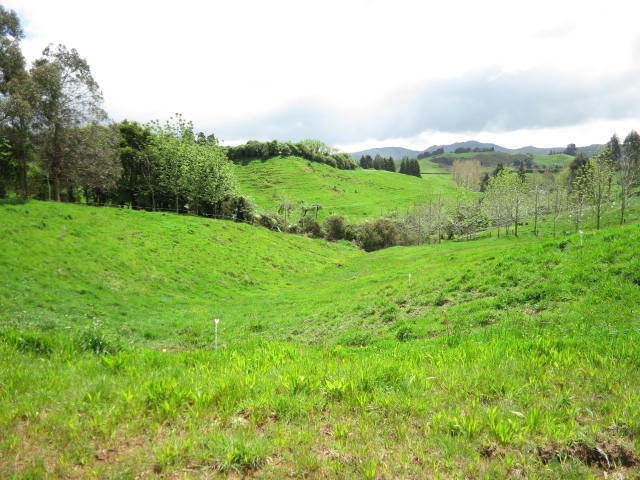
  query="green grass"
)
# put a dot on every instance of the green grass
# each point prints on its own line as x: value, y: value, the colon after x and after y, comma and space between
x: 354, y: 194
x: 556, y: 160
x: 333, y: 363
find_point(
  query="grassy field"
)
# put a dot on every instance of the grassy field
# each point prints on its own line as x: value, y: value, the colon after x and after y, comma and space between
x: 355, y: 194
x: 494, y: 358
x: 491, y: 159
x: 557, y: 160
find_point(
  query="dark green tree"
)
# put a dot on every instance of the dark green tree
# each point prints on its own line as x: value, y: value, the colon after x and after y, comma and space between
x: 571, y: 150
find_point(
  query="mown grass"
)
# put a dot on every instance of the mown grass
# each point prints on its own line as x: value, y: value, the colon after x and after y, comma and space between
x: 509, y: 358
x: 355, y: 194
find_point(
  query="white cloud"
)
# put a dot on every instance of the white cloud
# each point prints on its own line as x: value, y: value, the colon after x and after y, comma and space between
x: 223, y: 62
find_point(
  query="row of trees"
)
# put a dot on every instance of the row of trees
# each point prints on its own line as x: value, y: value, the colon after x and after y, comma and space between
x: 434, y: 153
x: 377, y: 163
x: 590, y: 189
x: 56, y: 142
x: 309, y: 149
x: 410, y: 166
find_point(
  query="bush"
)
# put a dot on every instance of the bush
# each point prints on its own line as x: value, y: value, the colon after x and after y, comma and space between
x: 309, y: 226
x: 378, y: 234
x: 336, y: 228
x: 270, y: 221
x: 239, y: 209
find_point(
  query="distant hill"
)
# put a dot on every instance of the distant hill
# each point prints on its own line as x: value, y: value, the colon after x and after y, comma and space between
x: 397, y: 153
x: 355, y: 194
x: 588, y: 149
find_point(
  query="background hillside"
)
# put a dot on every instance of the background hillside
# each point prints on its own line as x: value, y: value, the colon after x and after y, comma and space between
x: 355, y: 194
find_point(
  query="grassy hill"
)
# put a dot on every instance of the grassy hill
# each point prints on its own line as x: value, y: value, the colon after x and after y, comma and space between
x: 491, y: 159
x: 355, y: 194
x: 483, y: 359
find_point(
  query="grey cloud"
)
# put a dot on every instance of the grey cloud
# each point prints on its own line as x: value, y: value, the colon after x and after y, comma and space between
x: 484, y: 101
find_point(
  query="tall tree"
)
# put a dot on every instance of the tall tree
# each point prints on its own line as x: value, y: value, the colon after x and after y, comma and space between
x: 571, y: 149
x: 628, y: 175
x: 598, y: 174
x: 68, y: 98
x: 16, y: 98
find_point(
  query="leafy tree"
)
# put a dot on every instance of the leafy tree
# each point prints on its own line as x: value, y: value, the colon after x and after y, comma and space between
x: 576, y: 168
x: 138, y: 182
x: 187, y: 170
x: 615, y: 150
x: 597, y: 177
x: 93, y: 159
x: 68, y: 98
x: 505, y: 200
x: 16, y: 98
x: 628, y: 175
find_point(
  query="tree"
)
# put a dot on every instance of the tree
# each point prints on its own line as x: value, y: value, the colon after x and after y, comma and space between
x: 505, y: 200
x: 138, y: 182
x: 467, y: 173
x: 576, y: 168
x: 93, y: 160
x: 628, y: 174
x: 16, y: 97
x: 597, y: 182
x: 188, y: 171
x: 615, y: 150
x: 285, y: 208
x: 571, y: 150
x: 68, y: 98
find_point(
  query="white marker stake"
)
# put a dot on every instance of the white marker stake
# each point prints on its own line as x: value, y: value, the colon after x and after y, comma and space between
x: 216, y: 321
x: 581, y: 234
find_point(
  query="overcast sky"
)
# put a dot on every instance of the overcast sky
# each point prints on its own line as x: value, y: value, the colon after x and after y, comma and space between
x: 359, y: 74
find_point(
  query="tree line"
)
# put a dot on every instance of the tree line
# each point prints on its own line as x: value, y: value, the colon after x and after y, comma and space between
x: 408, y: 166
x: 309, y: 149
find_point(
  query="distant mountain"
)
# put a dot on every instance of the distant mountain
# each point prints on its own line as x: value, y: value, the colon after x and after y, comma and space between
x: 397, y: 153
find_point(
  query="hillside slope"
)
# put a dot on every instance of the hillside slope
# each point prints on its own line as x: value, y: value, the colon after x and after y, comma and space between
x: 482, y: 359
x: 355, y: 194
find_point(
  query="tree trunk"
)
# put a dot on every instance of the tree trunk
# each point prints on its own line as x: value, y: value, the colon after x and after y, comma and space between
x: 56, y: 188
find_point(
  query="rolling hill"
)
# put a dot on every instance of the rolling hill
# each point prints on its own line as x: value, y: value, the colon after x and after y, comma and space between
x: 355, y: 194
x: 463, y: 359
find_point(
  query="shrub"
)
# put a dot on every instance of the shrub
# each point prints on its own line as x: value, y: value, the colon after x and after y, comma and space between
x: 309, y: 226
x: 270, y: 221
x: 378, y: 234
x: 238, y: 208
x: 335, y: 228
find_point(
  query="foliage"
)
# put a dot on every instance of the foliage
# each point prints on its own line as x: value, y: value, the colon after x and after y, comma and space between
x: 312, y: 150
x: 410, y: 166
x: 381, y: 233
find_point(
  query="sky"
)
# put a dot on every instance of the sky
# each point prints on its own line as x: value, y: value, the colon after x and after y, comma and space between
x: 360, y: 73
